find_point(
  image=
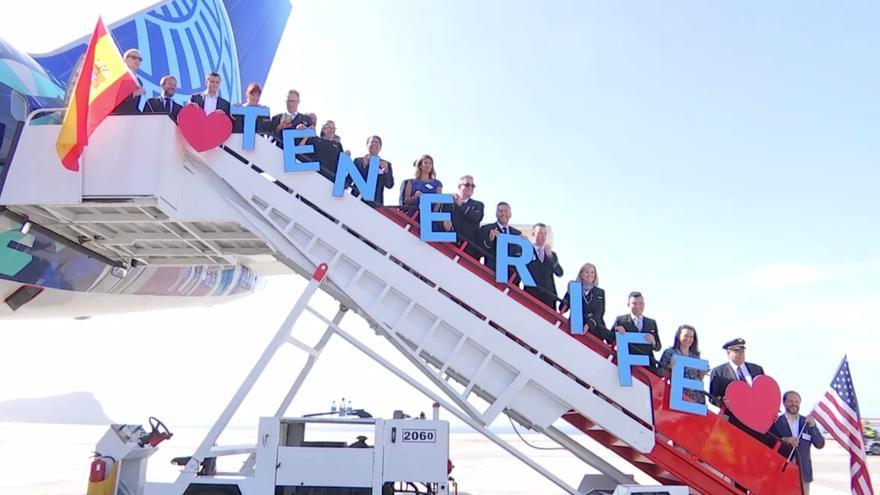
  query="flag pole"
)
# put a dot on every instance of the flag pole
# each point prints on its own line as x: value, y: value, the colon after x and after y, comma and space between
x: 800, y: 434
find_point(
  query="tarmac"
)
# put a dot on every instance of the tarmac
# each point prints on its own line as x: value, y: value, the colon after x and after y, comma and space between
x: 482, y: 468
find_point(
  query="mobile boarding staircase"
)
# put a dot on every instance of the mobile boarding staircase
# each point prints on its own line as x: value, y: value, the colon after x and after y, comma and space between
x: 471, y: 337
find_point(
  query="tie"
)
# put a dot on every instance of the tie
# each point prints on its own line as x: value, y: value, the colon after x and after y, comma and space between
x: 503, y: 230
x: 167, y: 105
x: 541, y: 254
x: 739, y: 374
x: 639, y: 323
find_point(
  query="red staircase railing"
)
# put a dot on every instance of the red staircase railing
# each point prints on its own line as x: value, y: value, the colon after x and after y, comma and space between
x: 706, y: 453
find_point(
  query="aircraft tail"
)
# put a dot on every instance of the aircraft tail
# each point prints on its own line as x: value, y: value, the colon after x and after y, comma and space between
x: 190, y: 38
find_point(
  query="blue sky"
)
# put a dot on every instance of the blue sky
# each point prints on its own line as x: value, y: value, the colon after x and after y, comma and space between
x: 721, y: 158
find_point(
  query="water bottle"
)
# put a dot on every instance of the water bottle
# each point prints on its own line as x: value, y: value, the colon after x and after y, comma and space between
x: 333, y: 407
x: 348, y: 408
x: 342, y: 407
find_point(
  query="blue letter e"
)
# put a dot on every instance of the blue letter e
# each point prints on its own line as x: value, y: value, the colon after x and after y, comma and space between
x: 679, y: 383
x: 291, y: 149
x: 427, y: 217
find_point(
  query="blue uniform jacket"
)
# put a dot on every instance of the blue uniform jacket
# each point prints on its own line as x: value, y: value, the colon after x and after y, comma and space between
x: 811, y: 436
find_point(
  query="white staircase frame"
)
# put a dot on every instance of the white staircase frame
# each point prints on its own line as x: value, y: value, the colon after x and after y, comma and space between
x: 459, y: 343
x: 296, y: 214
x: 208, y: 447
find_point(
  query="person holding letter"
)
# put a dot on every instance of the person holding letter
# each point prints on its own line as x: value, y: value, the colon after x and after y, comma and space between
x: 592, y: 303
x: 252, y: 99
x: 467, y: 213
x: 424, y: 182
x: 736, y: 368
x: 685, y: 344
x: 637, y: 322
x: 386, y: 173
x: 488, y: 235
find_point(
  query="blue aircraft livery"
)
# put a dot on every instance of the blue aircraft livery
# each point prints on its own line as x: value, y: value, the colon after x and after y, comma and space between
x: 35, y: 259
x: 186, y: 38
x: 191, y: 38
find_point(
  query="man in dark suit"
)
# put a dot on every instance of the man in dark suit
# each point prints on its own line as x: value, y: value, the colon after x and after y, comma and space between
x: 543, y: 267
x: 799, y: 433
x: 291, y: 119
x: 210, y: 101
x: 131, y: 105
x: 165, y: 104
x: 636, y: 322
x: 736, y: 368
x: 385, y: 179
x: 488, y: 235
x: 467, y: 213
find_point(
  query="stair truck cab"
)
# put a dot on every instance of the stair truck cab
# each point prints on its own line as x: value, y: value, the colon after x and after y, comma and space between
x: 288, y: 459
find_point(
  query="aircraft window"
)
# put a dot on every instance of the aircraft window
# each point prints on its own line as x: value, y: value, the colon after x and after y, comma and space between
x: 48, y: 117
x: 7, y: 126
x: 18, y: 106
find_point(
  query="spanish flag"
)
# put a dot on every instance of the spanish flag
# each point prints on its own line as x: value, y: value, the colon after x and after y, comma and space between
x: 103, y: 82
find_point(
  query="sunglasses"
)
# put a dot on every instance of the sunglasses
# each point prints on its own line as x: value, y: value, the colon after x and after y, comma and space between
x: 468, y: 184
x: 139, y: 59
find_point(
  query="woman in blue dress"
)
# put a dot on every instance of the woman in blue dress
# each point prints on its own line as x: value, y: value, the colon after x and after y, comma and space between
x: 685, y: 344
x: 424, y: 182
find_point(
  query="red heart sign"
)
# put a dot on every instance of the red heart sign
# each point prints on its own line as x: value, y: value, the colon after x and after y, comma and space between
x: 755, y: 406
x: 201, y: 131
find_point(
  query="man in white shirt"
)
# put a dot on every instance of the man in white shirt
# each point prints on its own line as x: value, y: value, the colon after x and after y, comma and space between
x: 798, y: 432
x: 211, y: 101
x: 736, y: 368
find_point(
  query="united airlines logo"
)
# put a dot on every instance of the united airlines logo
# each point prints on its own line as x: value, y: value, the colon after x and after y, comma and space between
x: 187, y: 39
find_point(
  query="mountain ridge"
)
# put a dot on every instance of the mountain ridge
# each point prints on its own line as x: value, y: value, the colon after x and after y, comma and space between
x: 71, y: 408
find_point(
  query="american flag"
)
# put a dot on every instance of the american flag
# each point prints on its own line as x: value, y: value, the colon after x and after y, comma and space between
x: 838, y: 412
